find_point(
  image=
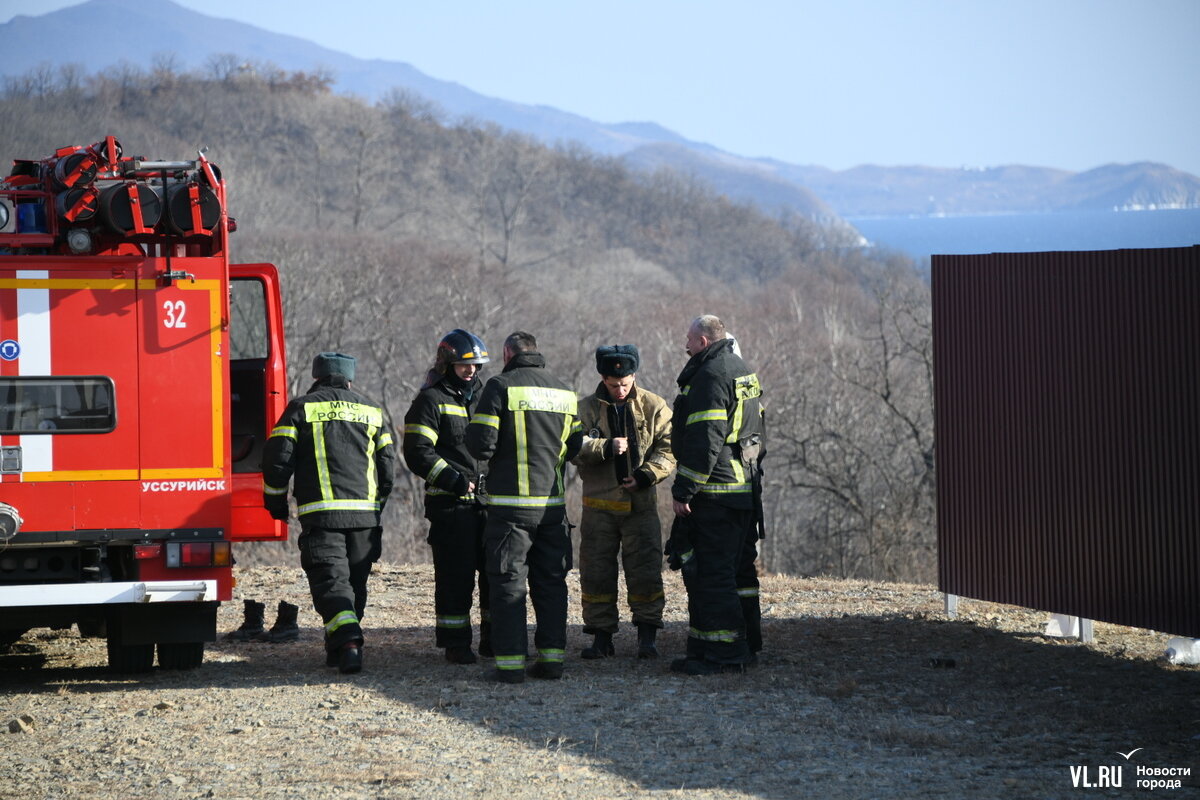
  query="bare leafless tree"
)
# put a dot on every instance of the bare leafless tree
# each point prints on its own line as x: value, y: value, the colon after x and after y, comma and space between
x: 390, y: 228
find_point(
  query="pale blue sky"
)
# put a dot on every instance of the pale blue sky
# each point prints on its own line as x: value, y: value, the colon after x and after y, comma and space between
x: 1072, y: 84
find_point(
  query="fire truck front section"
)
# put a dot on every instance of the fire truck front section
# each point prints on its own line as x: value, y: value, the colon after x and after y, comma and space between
x: 139, y: 372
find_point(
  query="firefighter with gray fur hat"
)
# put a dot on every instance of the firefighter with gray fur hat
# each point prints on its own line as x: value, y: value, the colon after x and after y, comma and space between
x: 336, y: 449
x: 626, y: 452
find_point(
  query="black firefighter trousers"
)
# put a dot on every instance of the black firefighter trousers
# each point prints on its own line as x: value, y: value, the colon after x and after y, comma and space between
x: 338, y: 562
x: 724, y: 614
x: 534, y: 553
x: 456, y: 536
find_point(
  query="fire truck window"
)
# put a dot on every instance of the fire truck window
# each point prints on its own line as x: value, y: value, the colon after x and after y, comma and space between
x: 248, y: 320
x: 50, y: 405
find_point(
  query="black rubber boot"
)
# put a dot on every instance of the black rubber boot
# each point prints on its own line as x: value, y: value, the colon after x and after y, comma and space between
x: 699, y: 666
x: 252, y: 622
x: 460, y: 655
x: 350, y: 658
x: 505, y: 676
x: 546, y: 670
x: 646, y: 635
x: 601, y: 647
x: 285, y: 628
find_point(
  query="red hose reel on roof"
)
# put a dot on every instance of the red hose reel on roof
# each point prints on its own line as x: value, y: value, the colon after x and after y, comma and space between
x: 82, y: 197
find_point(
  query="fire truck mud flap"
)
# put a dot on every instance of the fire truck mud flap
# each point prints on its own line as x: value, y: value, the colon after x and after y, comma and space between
x: 147, y: 624
x: 178, y: 630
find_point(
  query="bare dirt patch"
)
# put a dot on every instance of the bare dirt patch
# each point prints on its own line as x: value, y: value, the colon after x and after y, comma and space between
x: 846, y: 703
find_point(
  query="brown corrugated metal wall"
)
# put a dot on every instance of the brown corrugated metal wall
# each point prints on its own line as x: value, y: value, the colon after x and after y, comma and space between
x: 1068, y: 432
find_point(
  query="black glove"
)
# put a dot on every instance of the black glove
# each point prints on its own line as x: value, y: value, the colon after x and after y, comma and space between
x: 279, y: 513
x: 643, y: 477
x: 679, y: 551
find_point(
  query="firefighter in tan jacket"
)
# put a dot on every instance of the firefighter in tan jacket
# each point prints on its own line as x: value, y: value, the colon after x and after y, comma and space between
x: 626, y: 452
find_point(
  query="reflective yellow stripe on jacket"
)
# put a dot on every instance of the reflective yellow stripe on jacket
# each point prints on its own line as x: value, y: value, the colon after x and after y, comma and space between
x: 511, y: 501
x: 422, y: 430
x: 744, y: 388
x: 338, y: 505
x: 615, y: 506
x: 372, y: 479
x: 708, y: 415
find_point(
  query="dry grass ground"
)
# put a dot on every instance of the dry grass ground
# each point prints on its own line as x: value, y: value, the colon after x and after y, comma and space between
x: 845, y: 704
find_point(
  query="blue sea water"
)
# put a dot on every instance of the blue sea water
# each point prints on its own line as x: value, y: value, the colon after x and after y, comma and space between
x: 921, y: 237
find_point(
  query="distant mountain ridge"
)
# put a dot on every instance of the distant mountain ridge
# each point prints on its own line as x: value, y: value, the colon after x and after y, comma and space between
x: 194, y: 38
x: 776, y: 186
x: 900, y: 191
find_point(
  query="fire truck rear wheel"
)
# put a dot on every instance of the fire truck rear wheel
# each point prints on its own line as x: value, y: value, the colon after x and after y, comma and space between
x: 130, y: 657
x: 180, y: 655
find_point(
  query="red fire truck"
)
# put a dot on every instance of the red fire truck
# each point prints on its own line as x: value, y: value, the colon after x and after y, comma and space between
x: 140, y: 373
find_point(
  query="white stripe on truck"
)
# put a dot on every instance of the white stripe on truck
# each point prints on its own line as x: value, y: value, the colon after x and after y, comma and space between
x: 33, y: 333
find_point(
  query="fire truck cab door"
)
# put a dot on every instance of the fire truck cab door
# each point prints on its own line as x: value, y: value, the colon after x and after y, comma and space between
x: 258, y: 392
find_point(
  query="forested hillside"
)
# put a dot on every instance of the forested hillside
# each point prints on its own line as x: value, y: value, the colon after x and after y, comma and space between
x: 391, y: 228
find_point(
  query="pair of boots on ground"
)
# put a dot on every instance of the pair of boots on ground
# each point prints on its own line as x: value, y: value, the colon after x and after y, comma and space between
x: 285, y: 628
x: 602, y: 643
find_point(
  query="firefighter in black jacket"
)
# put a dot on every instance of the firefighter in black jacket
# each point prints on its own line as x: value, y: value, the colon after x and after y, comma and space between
x: 434, y: 428
x: 526, y: 428
x: 717, y: 438
x: 336, y: 448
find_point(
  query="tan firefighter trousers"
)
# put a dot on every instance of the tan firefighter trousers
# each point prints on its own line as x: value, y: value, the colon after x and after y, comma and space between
x: 638, y: 538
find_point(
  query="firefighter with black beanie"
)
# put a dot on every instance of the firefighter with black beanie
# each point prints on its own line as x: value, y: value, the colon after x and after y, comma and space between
x: 434, y: 428
x: 526, y: 428
x: 336, y: 448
